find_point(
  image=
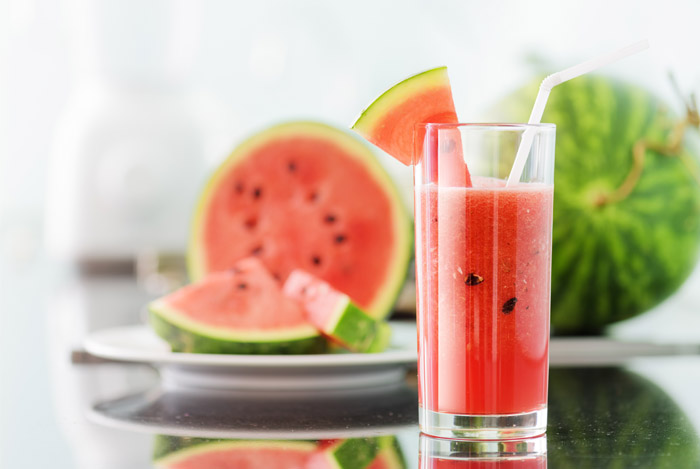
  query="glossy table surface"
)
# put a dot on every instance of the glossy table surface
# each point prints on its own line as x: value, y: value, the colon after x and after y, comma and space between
x: 640, y: 414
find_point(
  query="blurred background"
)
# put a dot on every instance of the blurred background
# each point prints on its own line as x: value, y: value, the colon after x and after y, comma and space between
x: 113, y: 112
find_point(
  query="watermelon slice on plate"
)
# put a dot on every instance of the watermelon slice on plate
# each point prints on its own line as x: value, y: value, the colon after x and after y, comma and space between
x: 241, y: 310
x: 390, y: 120
x: 334, y: 314
x: 306, y: 195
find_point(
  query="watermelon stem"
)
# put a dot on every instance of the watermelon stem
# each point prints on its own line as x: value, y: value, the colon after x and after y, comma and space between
x: 673, y: 148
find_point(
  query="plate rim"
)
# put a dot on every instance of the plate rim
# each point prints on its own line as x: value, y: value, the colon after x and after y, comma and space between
x: 94, y: 343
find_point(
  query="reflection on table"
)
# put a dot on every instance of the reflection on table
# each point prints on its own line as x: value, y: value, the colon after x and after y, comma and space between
x: 599, y: 417
x: 172, y: 452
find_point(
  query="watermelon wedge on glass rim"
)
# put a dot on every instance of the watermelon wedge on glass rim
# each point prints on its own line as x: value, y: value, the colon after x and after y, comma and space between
x: 389, y: 123
x: 306, y: 195
x: 238, y: 311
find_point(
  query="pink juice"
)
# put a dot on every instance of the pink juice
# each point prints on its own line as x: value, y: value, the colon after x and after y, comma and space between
x: 483, y: 259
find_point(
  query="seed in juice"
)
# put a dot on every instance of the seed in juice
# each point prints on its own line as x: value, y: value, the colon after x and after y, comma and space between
x: 473, y: 279
x: 509, y: 305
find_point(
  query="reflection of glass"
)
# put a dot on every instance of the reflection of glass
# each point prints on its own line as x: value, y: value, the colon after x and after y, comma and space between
x: 438, y: 453
x: 619, y: 416
x: 483, y: 255
x: 201, y: 453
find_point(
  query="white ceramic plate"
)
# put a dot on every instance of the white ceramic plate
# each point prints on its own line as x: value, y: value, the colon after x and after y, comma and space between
x: 271, y: 372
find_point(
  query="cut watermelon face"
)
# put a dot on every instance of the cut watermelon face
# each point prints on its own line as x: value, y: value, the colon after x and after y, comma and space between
x: 390, y: 120
x: 241, y: 310
x: 334, y: 314
x: 237, y: 454
x: 306, y: 195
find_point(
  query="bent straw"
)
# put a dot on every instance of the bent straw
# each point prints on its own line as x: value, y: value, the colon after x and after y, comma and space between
x: 550, y: 82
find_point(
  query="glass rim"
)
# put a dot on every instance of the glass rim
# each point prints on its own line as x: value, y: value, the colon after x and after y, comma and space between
x: 487, y: 125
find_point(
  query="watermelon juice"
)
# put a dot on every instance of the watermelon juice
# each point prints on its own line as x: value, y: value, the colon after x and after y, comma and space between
x: 483, y: 261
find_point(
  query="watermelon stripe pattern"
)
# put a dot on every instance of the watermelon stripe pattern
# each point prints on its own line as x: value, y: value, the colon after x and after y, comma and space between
x: 615, y: 260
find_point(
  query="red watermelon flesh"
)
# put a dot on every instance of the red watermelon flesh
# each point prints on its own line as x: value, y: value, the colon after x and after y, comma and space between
x: 242, y: 458
x: 301, y: 197
x: 395, y: 122
x: 245, y: 297
x: 390, y: 120
x: 318, y: 299
x: 394, y: 133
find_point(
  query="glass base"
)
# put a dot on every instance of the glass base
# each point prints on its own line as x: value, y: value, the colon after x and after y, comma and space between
x: 483, y: 427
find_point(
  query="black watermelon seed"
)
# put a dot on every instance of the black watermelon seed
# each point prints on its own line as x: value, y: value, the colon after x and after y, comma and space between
x: 292, y: 166
x: 509, y: 305
x: 256, y: 250
x: 473, y: 279
x: 257, y: 192
x: 340, y: 239
x: 251, y: 222
x: 239, y: 188
x: 316, y: 260
x: 242, y: 286
x: 277, y: 276
x: 329, y: 218
x: 527, y: 307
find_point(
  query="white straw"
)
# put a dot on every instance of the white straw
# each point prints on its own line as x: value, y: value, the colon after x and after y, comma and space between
x: 550, y: 82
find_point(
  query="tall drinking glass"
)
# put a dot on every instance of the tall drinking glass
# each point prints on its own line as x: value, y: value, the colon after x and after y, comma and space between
x: 483, y: 261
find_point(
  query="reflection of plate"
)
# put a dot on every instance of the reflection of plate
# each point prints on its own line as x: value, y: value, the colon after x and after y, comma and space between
x: 274, y: 372
x: 244, y: 414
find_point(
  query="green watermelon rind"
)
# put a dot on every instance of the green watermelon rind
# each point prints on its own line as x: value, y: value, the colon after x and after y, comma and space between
x: 203, y: 446
x: 187, y: 336
x: 387, y: 101
x: 351, y: 327
x: 403, y: 229
x: 382, y: 338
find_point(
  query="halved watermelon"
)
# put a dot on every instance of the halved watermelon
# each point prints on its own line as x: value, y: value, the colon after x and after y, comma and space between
x: 237, y: 454
x: 241, y: 310
x: 390, y: 120
x: 306, y: 195
x: 333, y: 312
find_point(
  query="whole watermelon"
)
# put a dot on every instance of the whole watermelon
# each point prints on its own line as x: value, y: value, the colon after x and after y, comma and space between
x: 612, y: 259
